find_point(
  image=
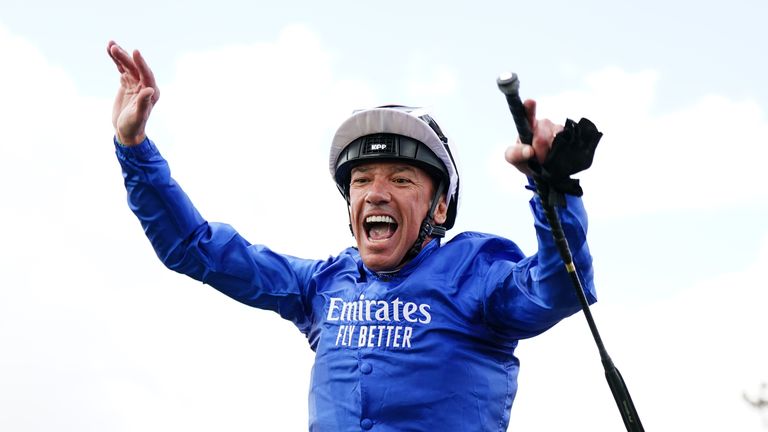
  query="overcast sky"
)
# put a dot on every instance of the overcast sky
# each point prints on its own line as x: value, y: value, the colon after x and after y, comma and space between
x: 96, y: 335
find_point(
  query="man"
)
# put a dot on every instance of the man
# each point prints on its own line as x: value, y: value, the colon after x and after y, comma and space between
x: 409, y: 334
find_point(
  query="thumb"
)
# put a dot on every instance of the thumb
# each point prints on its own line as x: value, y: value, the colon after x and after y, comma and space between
x: 144, y: 101
x: 518, y: 153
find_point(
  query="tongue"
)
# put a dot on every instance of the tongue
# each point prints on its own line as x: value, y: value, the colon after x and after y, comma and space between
x: 381, y: 231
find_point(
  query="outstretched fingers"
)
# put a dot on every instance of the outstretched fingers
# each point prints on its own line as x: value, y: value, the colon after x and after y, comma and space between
x: 122, y: 60
x: 136, y: 96
x: 145, y: 75
x: 113, y: 57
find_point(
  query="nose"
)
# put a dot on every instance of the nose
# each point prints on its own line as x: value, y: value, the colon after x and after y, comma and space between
x: 378, y: 192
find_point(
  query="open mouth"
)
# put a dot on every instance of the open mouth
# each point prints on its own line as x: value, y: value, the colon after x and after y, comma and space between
x: 379, y: 227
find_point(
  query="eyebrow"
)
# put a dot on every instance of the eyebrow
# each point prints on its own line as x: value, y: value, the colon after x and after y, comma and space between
x: 397, y: 169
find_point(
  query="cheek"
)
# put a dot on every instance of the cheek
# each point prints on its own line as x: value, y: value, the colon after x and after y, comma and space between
x: 354, y: 203
x: 354, y: 209
x: 416, y: 214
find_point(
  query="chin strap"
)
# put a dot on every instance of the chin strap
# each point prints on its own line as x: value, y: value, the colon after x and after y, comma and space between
x: 428, y: 229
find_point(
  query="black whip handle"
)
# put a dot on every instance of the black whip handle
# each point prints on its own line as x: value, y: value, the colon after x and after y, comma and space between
x: 510, y: 86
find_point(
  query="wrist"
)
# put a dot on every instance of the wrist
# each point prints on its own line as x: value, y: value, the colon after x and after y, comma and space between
x: 130, y: 141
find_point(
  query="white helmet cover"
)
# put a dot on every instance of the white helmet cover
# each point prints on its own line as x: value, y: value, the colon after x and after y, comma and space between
x: 414, y: 123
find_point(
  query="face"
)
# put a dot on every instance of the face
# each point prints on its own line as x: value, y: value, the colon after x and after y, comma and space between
x: 388, y: 202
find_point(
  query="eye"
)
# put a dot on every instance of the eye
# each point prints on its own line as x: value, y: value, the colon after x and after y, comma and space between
x: 402, y: 180
x: 359, y: 180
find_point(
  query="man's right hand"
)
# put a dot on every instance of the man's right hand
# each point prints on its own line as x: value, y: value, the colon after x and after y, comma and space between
x: 544, y: 131
x: 137, y: 95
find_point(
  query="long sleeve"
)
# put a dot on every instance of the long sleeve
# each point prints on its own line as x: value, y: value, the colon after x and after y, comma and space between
x: 213, y: 253
x: 528, y: 296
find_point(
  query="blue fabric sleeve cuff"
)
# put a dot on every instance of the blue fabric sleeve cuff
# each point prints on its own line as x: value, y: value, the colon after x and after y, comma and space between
x: 142, y: 151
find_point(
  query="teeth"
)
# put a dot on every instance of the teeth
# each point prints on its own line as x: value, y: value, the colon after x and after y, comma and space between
x: 384, y: 219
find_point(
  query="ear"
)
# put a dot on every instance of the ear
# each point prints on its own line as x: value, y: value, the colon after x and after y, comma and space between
x: 441, y: 211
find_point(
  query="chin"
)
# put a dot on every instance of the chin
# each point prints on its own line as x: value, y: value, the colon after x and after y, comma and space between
x: 378, y: 263
x: 384, y: 256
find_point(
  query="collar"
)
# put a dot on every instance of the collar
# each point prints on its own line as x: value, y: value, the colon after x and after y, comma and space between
x: 405, y: 270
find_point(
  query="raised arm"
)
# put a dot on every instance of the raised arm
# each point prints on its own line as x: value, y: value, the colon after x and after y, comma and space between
x: 530, y: 296
x: 185, y: 242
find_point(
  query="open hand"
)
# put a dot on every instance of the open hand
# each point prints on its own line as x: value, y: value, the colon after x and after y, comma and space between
x: 137, y: 95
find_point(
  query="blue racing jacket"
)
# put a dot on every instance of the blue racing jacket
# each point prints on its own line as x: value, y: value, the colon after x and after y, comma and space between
x: 428, y: 348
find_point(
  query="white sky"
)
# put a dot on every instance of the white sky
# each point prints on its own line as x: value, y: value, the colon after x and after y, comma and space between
x: 95, y: 335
